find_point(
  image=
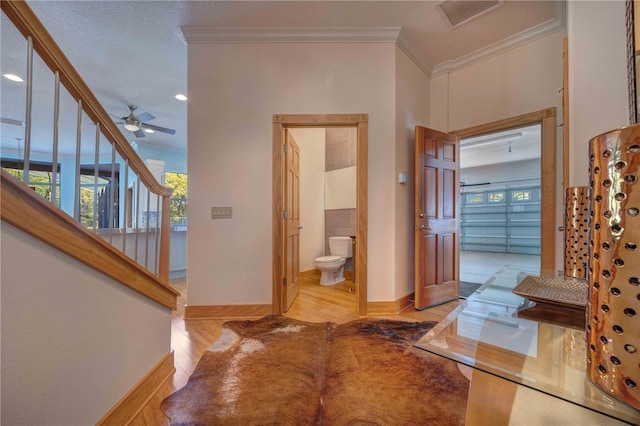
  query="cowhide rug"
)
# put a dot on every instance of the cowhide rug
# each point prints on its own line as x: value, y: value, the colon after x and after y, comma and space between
x: 280, y: 371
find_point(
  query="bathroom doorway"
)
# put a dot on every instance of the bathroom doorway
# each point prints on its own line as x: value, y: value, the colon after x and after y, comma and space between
x: 337, y: 218
x: 327, y: 204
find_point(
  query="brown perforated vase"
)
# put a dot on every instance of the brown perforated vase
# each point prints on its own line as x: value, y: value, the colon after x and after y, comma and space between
x: 576, y: 227
x: 613, y: 310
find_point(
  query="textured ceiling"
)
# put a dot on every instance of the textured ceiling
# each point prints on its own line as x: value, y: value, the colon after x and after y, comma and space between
x: 133, y: 52
x: 501, y: 147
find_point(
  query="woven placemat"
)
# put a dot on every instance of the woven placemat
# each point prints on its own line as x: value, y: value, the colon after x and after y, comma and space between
x: 561, y: 291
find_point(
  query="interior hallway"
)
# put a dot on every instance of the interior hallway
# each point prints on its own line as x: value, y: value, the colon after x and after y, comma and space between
x: 315, y: 303
x: 190, y: 338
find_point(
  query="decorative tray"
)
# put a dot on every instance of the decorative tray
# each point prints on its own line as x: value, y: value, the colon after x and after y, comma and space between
x: 567, y: 292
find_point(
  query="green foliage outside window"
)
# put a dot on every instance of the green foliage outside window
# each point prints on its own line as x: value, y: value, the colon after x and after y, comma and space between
x: 88, y: 199
x: 177, y: 181
x: 39, y: 181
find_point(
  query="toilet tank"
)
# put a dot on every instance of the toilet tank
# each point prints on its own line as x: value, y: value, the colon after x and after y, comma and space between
x: 340, y: 246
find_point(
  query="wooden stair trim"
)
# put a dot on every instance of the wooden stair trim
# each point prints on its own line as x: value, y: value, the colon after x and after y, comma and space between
x: 134, y: 401
x: 28, y: 24
x: 24, y: 209
x: 227, y: 311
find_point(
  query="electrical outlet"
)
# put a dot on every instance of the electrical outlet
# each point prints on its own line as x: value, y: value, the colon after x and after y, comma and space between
x: 221, y: 212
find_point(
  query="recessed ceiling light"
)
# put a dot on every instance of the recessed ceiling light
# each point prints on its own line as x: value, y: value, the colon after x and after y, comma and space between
x: 181, y: 97
x: 148, y: 131
x: 12, y: 77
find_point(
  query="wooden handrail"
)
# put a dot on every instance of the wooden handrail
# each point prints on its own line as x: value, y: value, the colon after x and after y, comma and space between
x: 24, y: 209
x: 29, y: 25
x: 68, y: 233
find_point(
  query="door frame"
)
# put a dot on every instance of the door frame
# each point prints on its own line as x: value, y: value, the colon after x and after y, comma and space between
x: 547, y: 120
x: 281, y: 122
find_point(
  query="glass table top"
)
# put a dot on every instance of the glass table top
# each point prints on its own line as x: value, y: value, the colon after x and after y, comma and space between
x: 485, y: 333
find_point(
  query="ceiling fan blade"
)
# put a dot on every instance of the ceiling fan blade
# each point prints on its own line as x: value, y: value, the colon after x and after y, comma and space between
x: 145, y: 116
x: 12, y: 121
x: 158, y: 128
x: 139, y: 133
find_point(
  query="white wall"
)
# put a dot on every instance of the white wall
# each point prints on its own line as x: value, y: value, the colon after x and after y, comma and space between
x: 521, y: 80
x: 598, y: 77
x: 175, y: 161
x: 518, y: 81
x: 73, y: 341
x: 412, y: 108
x: 234, y: 90
x: 503, y: 172
x: 312, y: 153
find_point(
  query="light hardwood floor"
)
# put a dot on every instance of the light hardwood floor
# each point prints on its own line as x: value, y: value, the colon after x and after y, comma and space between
x: 190, y: 338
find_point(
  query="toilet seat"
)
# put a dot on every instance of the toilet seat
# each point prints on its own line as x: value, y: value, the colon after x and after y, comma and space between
x: 328, y: 259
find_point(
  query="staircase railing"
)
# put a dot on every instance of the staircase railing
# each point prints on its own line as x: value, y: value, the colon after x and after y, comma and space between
x: 89, y: 170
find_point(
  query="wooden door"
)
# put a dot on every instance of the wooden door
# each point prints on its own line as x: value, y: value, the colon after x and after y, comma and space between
x: 437, y: 196
x: 291, y: 221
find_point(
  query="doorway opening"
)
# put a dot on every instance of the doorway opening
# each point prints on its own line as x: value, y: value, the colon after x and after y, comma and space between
x: 499, y: 204
x: 283, y: 242
x: 508, y: 198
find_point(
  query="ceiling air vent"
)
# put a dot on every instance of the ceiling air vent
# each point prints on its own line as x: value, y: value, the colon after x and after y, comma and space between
x: 457, y: 12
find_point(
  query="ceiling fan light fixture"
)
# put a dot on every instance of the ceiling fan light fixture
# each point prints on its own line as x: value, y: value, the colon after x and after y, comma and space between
x: 13, y: 77
x: 132, y: 127
x: 181, y: 97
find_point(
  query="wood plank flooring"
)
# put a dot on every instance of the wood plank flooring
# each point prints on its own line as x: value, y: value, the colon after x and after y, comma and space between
x: 190, y: 338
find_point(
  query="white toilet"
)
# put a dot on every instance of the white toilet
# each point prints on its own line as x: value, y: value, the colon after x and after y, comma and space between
x: 332, y: 267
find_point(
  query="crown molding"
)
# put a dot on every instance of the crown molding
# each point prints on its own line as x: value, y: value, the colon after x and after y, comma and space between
x: 414, y: 54
x: 204, y: 35
x: 558, y: 23
x: 200, y: 35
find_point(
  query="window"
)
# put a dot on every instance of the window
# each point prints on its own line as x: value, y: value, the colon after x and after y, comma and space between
x: 474, y: 198
x: 177, y: 181
x: 521, y: 195
x: 496, y: 197
x: 99, y: 193
x: 40, y: 176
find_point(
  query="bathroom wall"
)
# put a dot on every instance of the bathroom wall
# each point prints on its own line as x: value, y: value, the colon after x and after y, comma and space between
x: 340, y: 153
x: 340, y: 148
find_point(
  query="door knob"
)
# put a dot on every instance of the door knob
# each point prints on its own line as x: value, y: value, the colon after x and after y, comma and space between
x: 424, y: 228
x: 421, y: 215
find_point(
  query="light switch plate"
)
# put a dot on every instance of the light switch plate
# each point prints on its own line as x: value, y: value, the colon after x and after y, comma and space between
x: 221, y: 212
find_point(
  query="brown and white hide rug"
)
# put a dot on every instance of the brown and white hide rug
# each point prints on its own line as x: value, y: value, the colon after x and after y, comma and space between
x: 280, y: 371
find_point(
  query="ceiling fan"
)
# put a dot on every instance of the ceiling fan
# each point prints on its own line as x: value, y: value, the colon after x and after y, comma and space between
x: 11, y: 121
x: 138, y: 124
